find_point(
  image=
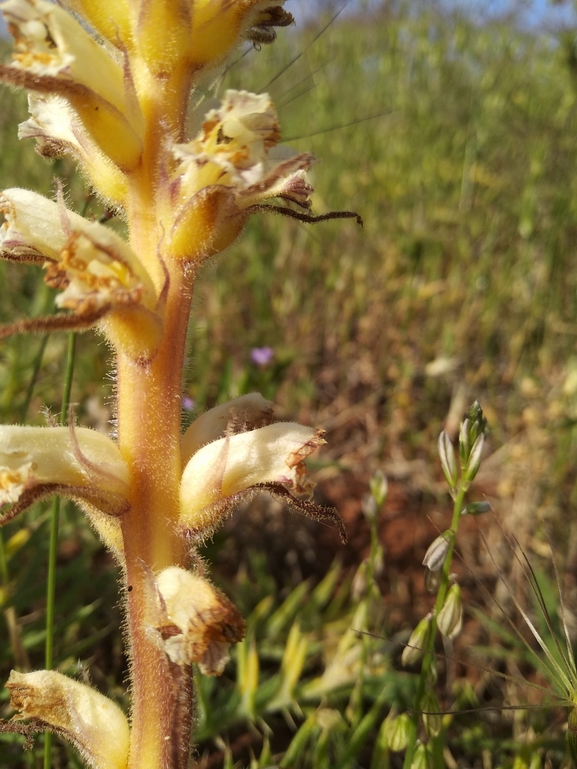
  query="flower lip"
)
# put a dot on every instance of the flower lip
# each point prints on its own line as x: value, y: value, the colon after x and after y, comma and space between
x: 270, y: 458
x: 76, y: 461
x: 239, y: 415
x: 89, y: 261
x: 237, y: 147
x: 91, y: 721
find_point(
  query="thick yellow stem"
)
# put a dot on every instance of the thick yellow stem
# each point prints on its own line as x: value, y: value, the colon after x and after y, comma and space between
x: 149, y: 419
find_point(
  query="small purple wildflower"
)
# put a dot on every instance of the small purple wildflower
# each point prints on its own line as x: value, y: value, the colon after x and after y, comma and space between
x: 261, y: 356
x: 187, y: 403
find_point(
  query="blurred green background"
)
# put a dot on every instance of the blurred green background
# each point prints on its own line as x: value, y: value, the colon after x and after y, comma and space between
x: 456, y: 141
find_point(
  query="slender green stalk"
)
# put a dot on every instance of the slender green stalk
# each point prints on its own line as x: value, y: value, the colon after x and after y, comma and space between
x: 53, y: 546
x: 430, y: 645
x: 439, y: 556
x: 34, y: 378
x: 10, y: 614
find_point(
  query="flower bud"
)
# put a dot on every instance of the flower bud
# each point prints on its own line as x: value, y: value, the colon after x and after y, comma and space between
x: 474, y: 461
x: 448, y: 461
x: 397, y: 732
x: 422, y: 758
x: 379, y: 487
x: 432, y: 718
x: 417, y: 643
x: 464, y: 442
x: 476, y: 508
x: 437, y: 551
x: 432, y: 580
x: 450, y: 619
x: 88, y: 719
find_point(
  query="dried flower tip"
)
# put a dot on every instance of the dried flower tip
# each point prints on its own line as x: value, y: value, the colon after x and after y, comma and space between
x: 448, y: 461
x: 236, y: 416
x: 273, y: 454
x: 437, y: 551
x: 90, y: 721
x: 35, y: 460
x: 263, y: 32
x: 206, y: 622
x: 450, y: 619
x: 397, y: 732
x: 417, y: 644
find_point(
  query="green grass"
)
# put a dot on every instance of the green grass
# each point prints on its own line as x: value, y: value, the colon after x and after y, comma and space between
x: 458, y: 146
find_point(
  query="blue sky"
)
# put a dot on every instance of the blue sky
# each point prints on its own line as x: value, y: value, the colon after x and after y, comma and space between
x: 535, y: 13
x: 539, y: 15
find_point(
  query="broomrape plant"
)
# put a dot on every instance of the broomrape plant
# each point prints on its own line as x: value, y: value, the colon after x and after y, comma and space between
x: 111, y: 83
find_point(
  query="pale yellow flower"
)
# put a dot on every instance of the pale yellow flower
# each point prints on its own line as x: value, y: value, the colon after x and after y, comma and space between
x: 73, y: 461
x: 88, y: 719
